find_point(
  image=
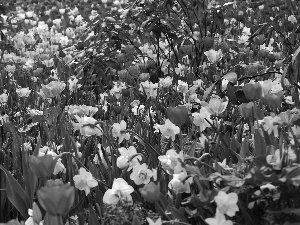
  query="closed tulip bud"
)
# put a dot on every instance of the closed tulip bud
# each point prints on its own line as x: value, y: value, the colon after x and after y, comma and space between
x: 144, y: 77
x: 56, y: 198
x: 178, y: 115
x: 129, y: 49
x: 126, y: 92
x: 123, y: 74
x: 208, y: 42
x: 150, y: 192
x: 134, y: 70
x: 253, y: 91
x: 121, y: 57
x: 36, y: 214
x: 246, y: 109
x: 259, y: 39
x: 274, y: 100
x: 42, y: 166
x: 186, y: 49
x: 264, y: 53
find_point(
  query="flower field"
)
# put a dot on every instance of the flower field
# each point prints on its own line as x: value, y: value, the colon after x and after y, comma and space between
x: 150, y: 112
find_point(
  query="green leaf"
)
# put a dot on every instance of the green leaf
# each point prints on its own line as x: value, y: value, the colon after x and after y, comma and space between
x: 176, y: 214
x: 259, y: 143
x: 75, y: 209
x: 93, y: 220
x: 191, y: 151
x: 15, y: 193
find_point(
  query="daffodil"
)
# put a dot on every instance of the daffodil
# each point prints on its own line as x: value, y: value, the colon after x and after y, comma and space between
x: 23, y: 92
x: 87, y: 126
x: 120, y: 192
x: 219, y: 219
x: 227, y: 203
x: 151, y: 222
x: 126, y: 155
x: 171, y: 162
x: 169, y: 130
x: 181, y: 183
x: 118, y: 131
x: 84, y: 181
x: 141, y: 174
x: 199, y: 118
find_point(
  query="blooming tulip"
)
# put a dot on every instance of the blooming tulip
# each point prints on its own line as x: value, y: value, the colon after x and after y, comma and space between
x: 51, y: 90
x: 56, y: 198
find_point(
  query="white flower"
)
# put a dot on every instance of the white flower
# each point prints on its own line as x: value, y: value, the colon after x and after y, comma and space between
x: 171, y: 161
x: 23, y: 92
x: 199, y: 118
x: 165, y: 82
x: 126, y: 154
x: 141, y: 174
x: 169, y: 129
x: 84, y: 181
x: 120, y: 192
x: 227, y: 203
x: 118, y: 131
x: 87, y: 126
x: 151, y: 222
x: 219, y: 219
x: 213, y: 55
x: 181, y: 183
x: 292, y: 19
x: 182, y: 87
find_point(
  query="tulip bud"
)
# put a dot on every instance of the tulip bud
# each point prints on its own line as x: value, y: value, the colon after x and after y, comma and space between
x: 150, y: 192
x: 134, y: 70
x: 246, y: 109
x: 144, y: 77
x: 129, y: 49
x: 253, y: 91
x: 178, y: 115
x: 56, y: 198
x: 208, y: 42
x: 259, y: 39
x: 264, y: 53
x: 186, y: 49
x: 274, y: 100
x: 121, y: 57
x: 36, y: 214
x: 42, y: 166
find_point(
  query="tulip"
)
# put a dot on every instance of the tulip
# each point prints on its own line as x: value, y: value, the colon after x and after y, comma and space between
x: 56, y: 198
x: 150, y: 192
x: 36, y: 213
x: 178, y: 115
x: 42, y: 166
x: 253, y: 91
x: 274, y: 100
x: 51, y: 90
x: 259, y: 39
x: 246, y: 109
